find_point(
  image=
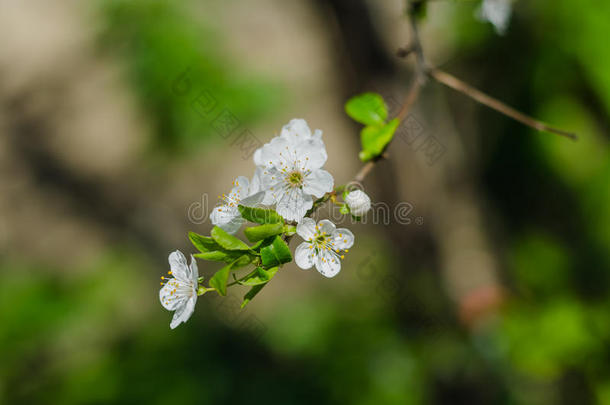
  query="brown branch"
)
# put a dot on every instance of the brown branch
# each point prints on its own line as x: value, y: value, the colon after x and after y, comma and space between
x: 422, y: 71
x: 477, y: 95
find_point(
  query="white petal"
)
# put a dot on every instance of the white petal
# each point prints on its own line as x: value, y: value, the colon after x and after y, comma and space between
x: 242, y: 185
x: 318, y: 183
x: 317, y: 135
x: 326, y: 226
x: 168, y: 300
x: 311, y: 154
x: 184, y: 312
x: 328, y: 263
x: 194, y: 273
x: 276, y: 153
x: 343, y: 239
x: 306, y: 229
x: 296, y: 130
x: 223, y: 215
x: 293, y: 204
x: 233, y: 225
x: 304, y: 256
x: 254, y: 200
x: 257, y: 157
x: 256, y: 184
x: 178, y: 266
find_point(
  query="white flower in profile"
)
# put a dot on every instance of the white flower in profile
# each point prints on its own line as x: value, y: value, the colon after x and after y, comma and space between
x: 497, y: 12
x: 293, y: 172
x: 244, y: 192
x: 358, y: 202
x: 323, y: 247
x: 179, y: 293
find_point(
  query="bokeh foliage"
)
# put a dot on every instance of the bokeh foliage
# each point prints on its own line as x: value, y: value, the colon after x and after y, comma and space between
x: 102, y: 338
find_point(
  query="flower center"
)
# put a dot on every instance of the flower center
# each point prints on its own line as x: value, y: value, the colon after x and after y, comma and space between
x: 295, y: 179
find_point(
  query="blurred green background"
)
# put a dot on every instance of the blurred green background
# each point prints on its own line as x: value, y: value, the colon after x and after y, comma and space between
x: 496, y: 292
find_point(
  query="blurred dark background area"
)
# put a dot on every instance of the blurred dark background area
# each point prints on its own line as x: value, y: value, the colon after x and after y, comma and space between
x: 492, y: 288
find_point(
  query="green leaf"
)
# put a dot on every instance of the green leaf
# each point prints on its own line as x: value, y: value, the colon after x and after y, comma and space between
x: 260, y: 215
x: 276, y: 253
x: 374, y: 139
x: 367, y: 109
x: 203, y: 243
x: 242, y: 261
x: 256, y: 233
x: 238, y: 257
x: 220, y: 278
x: 227, y: 241
x: 250, y: 294
x: 344, y: 209
x: 215, y: 256
x: 259, y: 276
x: 290, y: 230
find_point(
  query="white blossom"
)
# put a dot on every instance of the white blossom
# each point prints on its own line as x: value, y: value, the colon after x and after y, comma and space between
x: 179, y: 293
x: 293, y: 173
x: 244, y: 192
x: 497, y: 12
x: 323, y: 247
x: 358, y: 202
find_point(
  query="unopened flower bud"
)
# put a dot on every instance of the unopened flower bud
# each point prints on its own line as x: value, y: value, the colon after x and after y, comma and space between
x: 358, y: 202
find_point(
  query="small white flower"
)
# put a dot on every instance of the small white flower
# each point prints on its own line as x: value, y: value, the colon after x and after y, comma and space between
x: 244, y: 192
x: 293, y: 172
x: 179, y: 293
x: 358, y: 202
x: 497, y: 12
x: 323, y: 246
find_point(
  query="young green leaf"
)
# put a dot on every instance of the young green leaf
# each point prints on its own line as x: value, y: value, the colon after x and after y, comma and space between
x: 220, y: 278
x: 367, y: 109
x: 250, y: 294
x: 227, y: 241
x: 374, y: 139
x: 215, y: 256
x: 203, y: 243
x: 227, y: 257
x: 256, y: 233
x: 290, y: 230
x: 260, y: 215
x: 276, y: 253
x: 259, y: 276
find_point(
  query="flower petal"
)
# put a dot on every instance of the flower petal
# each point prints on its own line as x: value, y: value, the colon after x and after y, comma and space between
x: 276, y: 153
x: 240, y: 189
x: 293, y: 204
x: 326, y: 226
x: 328, y: 263
x: 223, y: 214
x: 296, y: 130
x: 233, y: 225
x: 194, y: 273
x: 254, y: 200
x: 256, y: 184
x: 311, y: 154
x: 257, y: 157
x: 306, y: 229
x: 318, y: 183
x: 178, y: 266
x: 304, y: 257
x: 168, y: 297
x: 343, y: 239
x: 184, y: 312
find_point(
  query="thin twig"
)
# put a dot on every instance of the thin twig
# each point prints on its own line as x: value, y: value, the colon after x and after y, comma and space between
x: 477, y: 95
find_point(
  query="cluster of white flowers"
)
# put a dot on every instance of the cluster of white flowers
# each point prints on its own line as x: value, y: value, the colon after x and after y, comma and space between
x: 289, y: 177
